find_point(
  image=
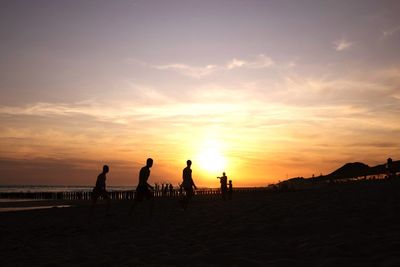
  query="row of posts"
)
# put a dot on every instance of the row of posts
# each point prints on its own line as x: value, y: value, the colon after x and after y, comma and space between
x: 117, y: 195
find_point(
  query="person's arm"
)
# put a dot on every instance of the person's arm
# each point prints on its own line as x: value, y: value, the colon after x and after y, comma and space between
x: 152, y: 188
x: 195, y: 187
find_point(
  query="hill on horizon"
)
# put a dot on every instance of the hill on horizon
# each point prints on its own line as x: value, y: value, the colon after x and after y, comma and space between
x: 352, y: 170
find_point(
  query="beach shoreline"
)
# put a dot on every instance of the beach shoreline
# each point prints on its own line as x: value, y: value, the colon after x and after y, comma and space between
x: 346, y: 224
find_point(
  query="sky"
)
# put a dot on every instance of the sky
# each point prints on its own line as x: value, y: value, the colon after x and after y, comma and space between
x: 263, y: 90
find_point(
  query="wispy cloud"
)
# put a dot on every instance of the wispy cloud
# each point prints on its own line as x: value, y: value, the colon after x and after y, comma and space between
x: 378, y: 87
x: 390, y: 32
x: 342, y: 45
x: 301, y: 113
x: 375, y: 90
x: 196, y: 72
x: 257, y: 62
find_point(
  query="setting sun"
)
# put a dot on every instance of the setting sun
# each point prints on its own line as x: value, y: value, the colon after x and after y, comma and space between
x: 211, y: 158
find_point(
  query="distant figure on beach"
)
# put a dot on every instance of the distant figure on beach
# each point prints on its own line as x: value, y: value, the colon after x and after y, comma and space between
x: 100, y: 189
x: 389, y: 169
x: 187, y: 184
x: 165, y: 190
x: 155, y: 187
x: 224, y: 185
x: 143, y: 189
x: 180, y: 189
x: 230, y: 190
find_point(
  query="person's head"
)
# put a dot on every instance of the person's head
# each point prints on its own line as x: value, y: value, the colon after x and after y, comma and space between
x: 105, y: 169
x: 188, y: 162
x: 149, y: 162
x: 389, y: 160
x: 223, y: 173
x: 230, y: 181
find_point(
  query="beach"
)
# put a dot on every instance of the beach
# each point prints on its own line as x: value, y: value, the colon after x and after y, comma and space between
x: 353, y: 224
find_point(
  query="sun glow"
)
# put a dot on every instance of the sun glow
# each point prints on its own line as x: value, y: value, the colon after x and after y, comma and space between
x: 211, y: 159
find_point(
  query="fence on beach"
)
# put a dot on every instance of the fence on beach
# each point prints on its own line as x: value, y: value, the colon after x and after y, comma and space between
x: 120, y: 195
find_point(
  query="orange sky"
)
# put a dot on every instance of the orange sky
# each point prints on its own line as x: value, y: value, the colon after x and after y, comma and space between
x: 263, y: 91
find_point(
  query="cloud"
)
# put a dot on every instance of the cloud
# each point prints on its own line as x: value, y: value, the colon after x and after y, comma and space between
x: 293, y: 115
x: 390, y: 32
x: 259, y: 62
x: 376, y: 89
x: 342, y: 45
x: 196, y: 72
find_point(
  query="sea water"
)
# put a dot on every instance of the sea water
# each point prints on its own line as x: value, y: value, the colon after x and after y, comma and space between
x: 57, y: 188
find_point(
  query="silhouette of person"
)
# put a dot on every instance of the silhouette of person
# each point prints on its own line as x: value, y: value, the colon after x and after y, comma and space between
x: 171, y: 190
x: 230, y: 190
x: 187, y: 184
x: 180, y: 189
x: 389, y: 168
x: 224, y: 185
x: 143, y: 187
x: 100, y: 189
x: 156, y: 189
x: 165, y: 190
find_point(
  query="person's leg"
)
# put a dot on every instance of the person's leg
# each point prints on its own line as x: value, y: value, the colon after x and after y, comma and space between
x: 108, y: 199
x: 133, y: 207
x: 151, y: 208
x: 181, y: 199
x: 185, y: 202
x: 150, y: 199
x: 184, y: 199
x: 136, y: 198
x: 94, y: 201
x: 189, y: 195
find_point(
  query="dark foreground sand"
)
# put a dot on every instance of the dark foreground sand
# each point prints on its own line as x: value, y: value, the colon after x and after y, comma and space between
x: 340, y: 225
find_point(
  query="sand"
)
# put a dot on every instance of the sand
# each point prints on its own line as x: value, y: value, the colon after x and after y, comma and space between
x: 340, y: 225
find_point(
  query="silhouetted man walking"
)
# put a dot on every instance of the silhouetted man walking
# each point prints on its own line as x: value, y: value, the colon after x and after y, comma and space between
x: 143, y: 187
x: 100, y: 189
x: 187, y: 184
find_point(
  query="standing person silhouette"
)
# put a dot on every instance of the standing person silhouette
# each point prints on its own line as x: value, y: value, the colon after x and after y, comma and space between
x: 389, y: 169
x: 143, y: 187
x: 224, y: 185
x: 100, y: 189
x: 230, y: 190
x: 187, y: 184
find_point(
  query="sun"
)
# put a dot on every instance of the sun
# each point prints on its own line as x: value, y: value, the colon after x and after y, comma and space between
x: 211, y: 160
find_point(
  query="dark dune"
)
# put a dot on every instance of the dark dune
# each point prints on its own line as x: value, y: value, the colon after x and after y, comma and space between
x: 358, y: 169
x: 355, y: 224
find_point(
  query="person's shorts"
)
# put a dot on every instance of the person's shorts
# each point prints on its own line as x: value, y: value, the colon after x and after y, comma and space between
x: 143, y: 192
x: 100, y: 193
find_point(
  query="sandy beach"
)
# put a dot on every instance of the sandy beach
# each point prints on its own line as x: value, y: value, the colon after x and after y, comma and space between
x: 346, y: 224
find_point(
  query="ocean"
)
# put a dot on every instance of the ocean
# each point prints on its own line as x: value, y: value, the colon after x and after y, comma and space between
x: 57, y: 188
